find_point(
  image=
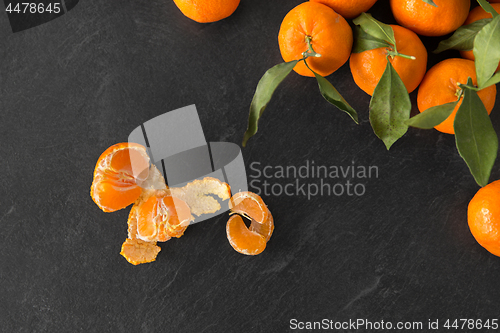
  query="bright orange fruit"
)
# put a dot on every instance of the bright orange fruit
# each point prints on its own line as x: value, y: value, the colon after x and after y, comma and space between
x: 206, y: 11
x: 329, y: 34
x: 348, y: 9
x: 440, y: 86
x: 484, y: 217
x: 367, y: 67
x: 427, y: 20
x: 118, y: 173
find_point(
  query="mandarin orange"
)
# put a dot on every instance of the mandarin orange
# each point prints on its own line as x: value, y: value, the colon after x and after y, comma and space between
x: 440, y: 86
x: 367, y: 67
x: 483, y: 216
x: 348, y: 9
x: 206, y: 11
x: 328, y: 33
x: 427, y: 20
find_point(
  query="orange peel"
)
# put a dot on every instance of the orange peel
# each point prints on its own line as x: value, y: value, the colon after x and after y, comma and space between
x: 137, y: 251
x: 197, y: 195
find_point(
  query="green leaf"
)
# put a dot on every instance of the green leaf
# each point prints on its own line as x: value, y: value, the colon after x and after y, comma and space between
x: 430, y: 2
x: 488, y: 7
x: 493, y: 80
x: 432, y: 116
x: 487, y: 51
x: 365, y: 42
x: 463, y: 38
x: 265, y: 89
x: 375, y: 28
x: 475, y: 137
x: 390, y: 107
x: 333, y: 97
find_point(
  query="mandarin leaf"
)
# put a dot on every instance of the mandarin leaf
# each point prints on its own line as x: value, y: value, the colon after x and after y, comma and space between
x: 375, y: 28
x: 432, y: 116
x: 390, y: 107
x: 487, y: 51
x: 263, y: 93
x: 463, y: 38
x: 488, y: 7
x: 493, y: 80
x: 365, y: 42
x: 333, y: 97
x: 430, y: 2
x: 475, y: 137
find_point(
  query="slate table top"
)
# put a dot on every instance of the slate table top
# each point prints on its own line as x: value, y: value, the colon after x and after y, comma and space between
x: 70, y: 88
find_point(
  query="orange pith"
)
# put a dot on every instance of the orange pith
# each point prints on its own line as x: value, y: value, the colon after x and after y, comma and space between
x: 440, y: 86
x: 118, y: 174
x: 329, y: 33
x: 206, y: 11
x: 138, y: 252
x: 476, y: 14
x: 427, y: 20
x: 242, y: 239
x: 483, y: 216
x: 161, y: 216
x: 367, y: 67
x: 348, y: 9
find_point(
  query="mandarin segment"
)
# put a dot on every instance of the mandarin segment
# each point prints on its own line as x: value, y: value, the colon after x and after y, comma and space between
x: 138, y: 252
x: 265, y: 229
x: 117, y: 176
x: 250, y: 205
x: 159, y: 216
x: 242, y: 239
x: 121, y: 175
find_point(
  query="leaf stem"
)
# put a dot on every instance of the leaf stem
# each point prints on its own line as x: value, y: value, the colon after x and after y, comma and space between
x: 394, y: 53
x: 310, y: 51
x: 462, y: 86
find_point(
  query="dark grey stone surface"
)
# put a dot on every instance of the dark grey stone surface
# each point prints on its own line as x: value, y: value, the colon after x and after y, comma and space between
x: 74, y: 86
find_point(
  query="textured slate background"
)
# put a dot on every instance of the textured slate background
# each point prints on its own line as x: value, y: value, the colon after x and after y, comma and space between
x: 74, y: 86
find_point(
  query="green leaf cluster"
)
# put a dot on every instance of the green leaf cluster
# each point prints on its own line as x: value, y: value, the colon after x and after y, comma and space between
x: 475, y: 137
x: 274, y: 76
